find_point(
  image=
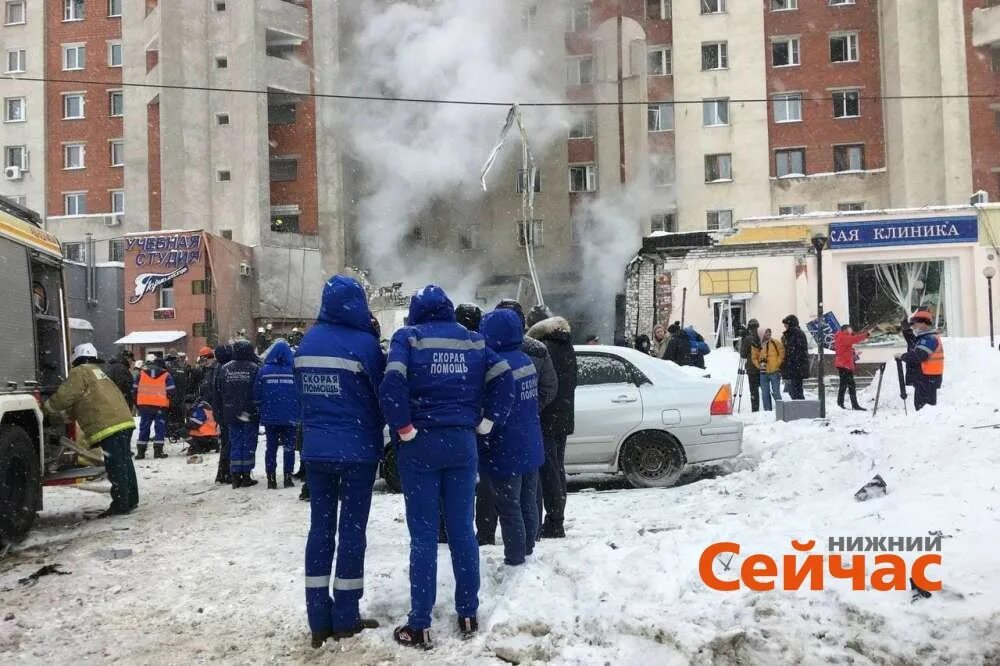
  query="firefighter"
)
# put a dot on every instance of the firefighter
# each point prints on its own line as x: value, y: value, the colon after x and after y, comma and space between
x: 154, y: 387
x: 925, y: 359
x: 89, y: 397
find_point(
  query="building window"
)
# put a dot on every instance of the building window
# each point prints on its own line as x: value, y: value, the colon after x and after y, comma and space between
x: 114, y: 8
x: 74, y: 252
x: 116, y: 103
x: 785, y: 51
x: 658, y: 10
x: 995, y: 61
x: 201, y: 287
x: 715, y: 112
x: 167, y: 295
x: 221, y: 62
x: 661, y: 117
x: 74, y: 155
x: 584, y: 126
x: 788, y: 108
x: 224, y: 176
x: 19, y: 199
x: 285, y: 223
x: 719, y: 219
x: 15, y: 156
x: 661, y: 171
x: 116, y: 249
x: 73, y: 106
x: 13, y: 110
x: 714, y: 56
x: 16, y: 61
x: 13, y: 13
x: 284, y: 169
x: 849, y: 158
x: 835, y: 3
x: 220, y: 5
x: 578, y: 18
x: 659, y: 61
x: 790, y: 162
x: 583, y: 178
x: 75, y: 203
x: 468, y: 238
x: 846, y: 104
x: 662, y: 222
x: 522, y: 178
x: 718, y: 168
x: 114, y: 54
x: 222, y: 118
x: 74, y: 57
x: 784, y: 5
x: 580, y: 70
x: 850, y: 206
x: 533, y: 234
x: 72, y: 10
x: 844, y: 48
x: 118, y: 201
x: 713, y: 6
x: 281, y: 114
x: 792, y: 210
x: 200, y: 329
x: 117, y: 153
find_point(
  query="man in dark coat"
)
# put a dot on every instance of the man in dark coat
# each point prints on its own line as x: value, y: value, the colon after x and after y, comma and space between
x: 796, y: 365
x: 212, y: 388
x: 678, y: 347
x: 749, y: 342
x: 118, y: 371
x: 557, y: 417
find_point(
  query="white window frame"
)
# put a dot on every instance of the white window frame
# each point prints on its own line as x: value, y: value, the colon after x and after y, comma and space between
x: 537, y: 227
x: 710, y: 115
x: 116, y: 149
x: 22, y: 105
x: 116, y: 196
x: 575, y: 9
x: 77, y: 149
x: 112, y: 12
x: 80, y: 49
x: 661, y: 173
x: 848, y: 147
x: 588, y: 123
x: 78, y: 197
x: 83, y: 105
x: 165, y: 297
x: 112, y: 43
x: 22, y: 150
x: 522, y: 176
x: 792, y: 209
x: 720, y: 214
x: 794, y: 45
x: 664, y: 11
x: 840, y: 3
x: 70, y: 8
x: 9, y: 5
x: 721, y: 54
x: 853, y: 46
x: 75, y: 248
x: 111, y: 105
x: 722, y: 159
x: 22, y: 61
x: 850, y: 206
x: 664, y: 56
x: 787, y: 102
x: 709, y: 7
x: 574, y: 71
x: 656, y: 113
x: 790, y: 173
x: 589, y: 175
x: 471, y: 233
x: 841, y: 105
x: 662, y: 220
x: 789, y: 5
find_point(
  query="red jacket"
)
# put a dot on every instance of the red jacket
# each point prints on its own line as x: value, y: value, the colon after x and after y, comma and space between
x: 843, y: 344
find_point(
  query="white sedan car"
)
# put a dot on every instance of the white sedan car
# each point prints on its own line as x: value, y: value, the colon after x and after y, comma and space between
x: 647, y: 418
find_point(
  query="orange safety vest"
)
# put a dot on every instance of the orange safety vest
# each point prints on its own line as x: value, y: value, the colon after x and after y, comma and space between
x: 207, y: 429
x: 152, y: 391
x: 934, y: 365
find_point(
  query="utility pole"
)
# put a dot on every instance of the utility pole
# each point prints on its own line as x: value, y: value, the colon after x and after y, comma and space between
x: 621, y: 98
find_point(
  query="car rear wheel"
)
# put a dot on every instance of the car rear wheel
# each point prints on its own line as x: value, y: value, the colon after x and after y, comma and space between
x: 20, y: 482
x: 652, y: 460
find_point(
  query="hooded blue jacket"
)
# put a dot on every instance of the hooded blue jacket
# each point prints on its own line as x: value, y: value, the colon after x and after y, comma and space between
x: 223, y: 355
x: 441, y: 375
x: 338, y: 368
x: 237, y: 379
x: 515, y: 445
x: 275, y: 391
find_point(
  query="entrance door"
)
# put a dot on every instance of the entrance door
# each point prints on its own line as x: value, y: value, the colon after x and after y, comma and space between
x: 729, y: 317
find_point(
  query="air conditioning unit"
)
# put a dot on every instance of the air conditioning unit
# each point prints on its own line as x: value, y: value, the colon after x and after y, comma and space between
x: 245, y: 270
x: 13, y: 173
x: 980, y: 197
x: 114, y: 220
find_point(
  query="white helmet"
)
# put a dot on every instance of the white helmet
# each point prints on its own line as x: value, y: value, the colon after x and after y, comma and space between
x: 86, y: 350
x: 150, y: 358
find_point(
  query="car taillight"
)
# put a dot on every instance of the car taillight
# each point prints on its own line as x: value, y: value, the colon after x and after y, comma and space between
x: 722, y: 404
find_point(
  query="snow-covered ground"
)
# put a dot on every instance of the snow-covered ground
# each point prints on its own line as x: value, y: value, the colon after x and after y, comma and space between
x: 216, y: 575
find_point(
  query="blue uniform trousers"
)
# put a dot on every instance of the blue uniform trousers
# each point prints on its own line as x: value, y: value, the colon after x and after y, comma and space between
x: 152, y: 418
x: 280, y: 435
x: 518, y: 510
x: 437, y: 469
x: 349, y: 486
x: 242, y: 446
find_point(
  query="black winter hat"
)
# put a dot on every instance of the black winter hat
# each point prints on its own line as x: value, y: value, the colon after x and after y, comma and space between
x: 753, y: 323
x: 469, y: 315
x: 511, y: 304
x: 538, y: 313
x: 674, y: 328
x: 790, y: 320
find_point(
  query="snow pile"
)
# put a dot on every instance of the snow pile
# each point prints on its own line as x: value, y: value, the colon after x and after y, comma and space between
x: 217, y: 574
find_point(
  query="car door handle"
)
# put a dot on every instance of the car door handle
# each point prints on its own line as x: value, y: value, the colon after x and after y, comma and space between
x: 623, y: 398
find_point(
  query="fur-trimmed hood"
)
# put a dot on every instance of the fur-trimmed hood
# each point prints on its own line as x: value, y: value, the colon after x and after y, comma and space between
x: 550, y: 326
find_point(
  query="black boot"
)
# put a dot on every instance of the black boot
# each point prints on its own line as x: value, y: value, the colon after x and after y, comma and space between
x: 858, y: 408
x: 553, y: 530
x: 248, y: 480
x: 355, y: 630
x: 468, y: 627
x: 320, y: 637
x: 301, y: 474
x: 410, y: 637
x: 304, y: 493
x: 140, y: 451
x: 288, y: 481
x: 223, y: 477
x: 237, y: 480
x: 158, y: 450
x: 272, y: 482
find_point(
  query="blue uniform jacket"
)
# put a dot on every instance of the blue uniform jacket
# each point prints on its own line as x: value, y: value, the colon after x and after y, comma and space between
x: 223, y: 355
x: 275, y: 392
x: 439, y: 374
x: 515, y: 445
x: 338, y: 367
x: 236, y: 381
x: 924, y: 345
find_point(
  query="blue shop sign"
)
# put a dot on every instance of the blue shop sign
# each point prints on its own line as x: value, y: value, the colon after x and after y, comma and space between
x: 922, y: 231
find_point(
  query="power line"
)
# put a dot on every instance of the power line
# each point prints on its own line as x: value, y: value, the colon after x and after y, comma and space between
x: 486, y: 103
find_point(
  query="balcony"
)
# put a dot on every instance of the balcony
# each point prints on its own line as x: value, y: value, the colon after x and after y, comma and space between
x: 287, y: 76
x: 986, y: 26
x: 282, y: 16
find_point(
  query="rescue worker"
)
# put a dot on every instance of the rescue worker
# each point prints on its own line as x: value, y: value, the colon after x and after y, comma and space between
x: 213, y: 387
x: 203, y: 430
x: 119, y: 370
x: 237, y: 381
x: 179, y: 373
x: 511, y: 455
x: 925, y: 360
x: 750, y: 349
x: 338, y: 368
x: 442, y: 386
x: 277, y: 399
x: 89, y: 397
x: 154, y: 388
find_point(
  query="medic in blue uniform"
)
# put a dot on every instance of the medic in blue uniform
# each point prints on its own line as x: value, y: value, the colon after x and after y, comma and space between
x: 240, y: 411
x: 277, y: 396
x: 442, y: 385
x: 338, y: 368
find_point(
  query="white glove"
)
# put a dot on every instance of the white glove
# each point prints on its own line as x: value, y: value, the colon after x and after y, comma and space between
x: 407, y: 434
x: 485, y: 427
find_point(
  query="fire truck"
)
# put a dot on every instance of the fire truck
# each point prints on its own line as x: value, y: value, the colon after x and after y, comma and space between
x: 34, y: 360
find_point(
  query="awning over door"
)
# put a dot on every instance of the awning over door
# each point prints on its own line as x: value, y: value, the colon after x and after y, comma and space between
x: 150, y: 338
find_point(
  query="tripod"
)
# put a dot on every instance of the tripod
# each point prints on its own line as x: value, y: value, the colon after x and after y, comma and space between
x: 741, y: 374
